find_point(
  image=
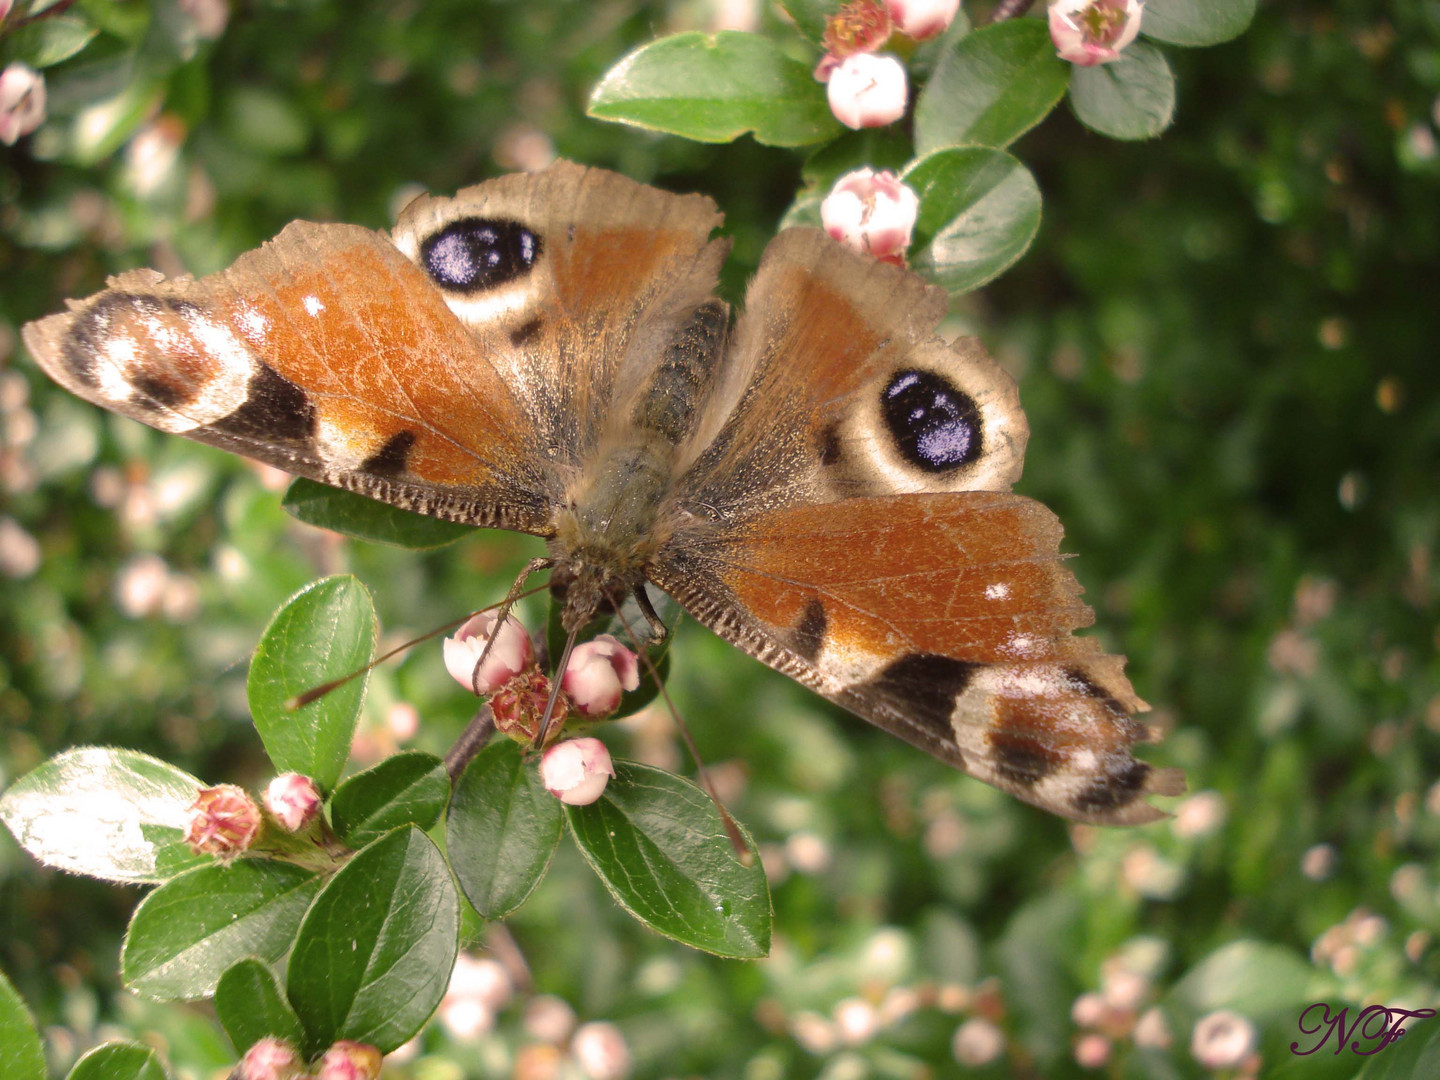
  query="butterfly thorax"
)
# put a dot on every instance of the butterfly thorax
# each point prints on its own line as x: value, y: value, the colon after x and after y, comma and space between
x: 613, y: 522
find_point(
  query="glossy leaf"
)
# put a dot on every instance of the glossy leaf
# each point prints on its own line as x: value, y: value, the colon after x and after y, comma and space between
x: 810, y: 15
x: 21, y: 1055
x: 1256, y: 979
x: 374, y: 954
x: 251, y: 1006
x: 113, y: 814
x: 657, y: 843
x: 119, y: 1061
x: 502, y: 829
x: 991, y: 87
x: 1130, y: 98
x: 876, y: 148
x: 365, y: 519
x: 186, y: 933
x: 323, y: 632
x: 715, y: 88
x: 48, y: 41
x: 1196, y: 22
x: 405, y: 789
x: 979, y: 212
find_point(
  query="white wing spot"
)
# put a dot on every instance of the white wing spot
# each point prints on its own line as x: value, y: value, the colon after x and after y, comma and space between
x: 998, y: 591
x: 313, y: 306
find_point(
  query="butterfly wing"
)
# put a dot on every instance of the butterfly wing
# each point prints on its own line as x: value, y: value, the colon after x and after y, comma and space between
x: 849, y: 522
x: 424, y: 368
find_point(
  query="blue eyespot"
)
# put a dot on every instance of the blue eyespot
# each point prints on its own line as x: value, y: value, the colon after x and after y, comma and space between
x: 936, y: 425
x: 474, y: 254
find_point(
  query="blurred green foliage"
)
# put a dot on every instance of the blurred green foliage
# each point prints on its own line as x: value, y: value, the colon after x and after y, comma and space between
x: 1225, y: 341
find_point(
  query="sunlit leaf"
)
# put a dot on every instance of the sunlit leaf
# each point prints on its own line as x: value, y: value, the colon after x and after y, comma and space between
x: 1130, y: 98
x: 112, y: 814
x: 21, y: 1055
x: 251, y: 1006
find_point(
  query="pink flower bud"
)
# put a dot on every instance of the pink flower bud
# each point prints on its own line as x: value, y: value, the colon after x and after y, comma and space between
x: 349, y: 1060
x: 1222, y: 1040
x: 270, y: 1059
x: 598, y: 672
x: 293, y: 799
x: 510, y: 656
x: 576, y: 771
x: 22, y: 101
x: 921, y: 19
x: 868, y: 90
x: 1090, y: 32
x: 224, y: 821
x: 601, y: 1051
x: 871, y: 212
x: 5, y: 6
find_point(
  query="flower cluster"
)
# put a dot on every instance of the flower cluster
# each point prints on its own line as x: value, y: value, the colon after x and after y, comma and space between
x: 276, y: 1059
x: 867, y: 88
x: 596, y: 676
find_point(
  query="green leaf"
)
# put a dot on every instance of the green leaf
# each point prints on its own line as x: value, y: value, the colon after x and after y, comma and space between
x: 323, y: 632
x: 251, y: 1006
x: 365, y: 519
x: 1254, y: 978
x: 374, y: 954
x: 878, y: 148
x: 658, y: 844
x: 715, y: 88
x: 1405, y: 1058
x: 1129, y: 98
x: 994, y: 85
x: 45, y: 42
x: 502, y: 829
x: 979, y: 212
x: 1196, y: 22
x: 119, y: 1061
x: 186, y: 933
x: 21, y: 1055
x: 404, y: 789
x: 112, y: 814
x: 265, y: 122
x: 810, y: 15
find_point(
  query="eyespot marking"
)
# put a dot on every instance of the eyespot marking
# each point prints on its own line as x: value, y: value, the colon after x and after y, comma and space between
x: 830, y: 452
x: 935, y: 424
x: 472, y: 255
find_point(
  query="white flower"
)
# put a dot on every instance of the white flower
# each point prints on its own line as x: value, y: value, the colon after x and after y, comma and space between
x: 576, y: 771
x: 868, y: 90
x: 921, y: 19
x: 601, y: 1051
x: 871, y: 212
x: 510, y: 656
x: 22, y: 101
x: 1089, y: 32
x: 1222, y: 1040
x: 294, y: 800
x: 598, y: 673
x: 977, y: 1042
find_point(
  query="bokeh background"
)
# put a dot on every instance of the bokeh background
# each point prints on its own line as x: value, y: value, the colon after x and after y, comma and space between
x: 1226, y: 346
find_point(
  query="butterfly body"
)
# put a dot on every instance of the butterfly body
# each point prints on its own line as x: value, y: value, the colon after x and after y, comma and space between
x: 821, y: 481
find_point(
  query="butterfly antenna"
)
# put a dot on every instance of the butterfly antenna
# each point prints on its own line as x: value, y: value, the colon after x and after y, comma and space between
x: 732, y: 830
x: 543, y: 731
x: 315, y: 693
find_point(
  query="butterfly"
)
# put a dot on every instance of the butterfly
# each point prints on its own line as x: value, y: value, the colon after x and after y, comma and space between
x: 821, y: 481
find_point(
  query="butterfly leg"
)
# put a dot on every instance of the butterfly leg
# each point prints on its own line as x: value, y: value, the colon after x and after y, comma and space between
x: 658, y: 630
